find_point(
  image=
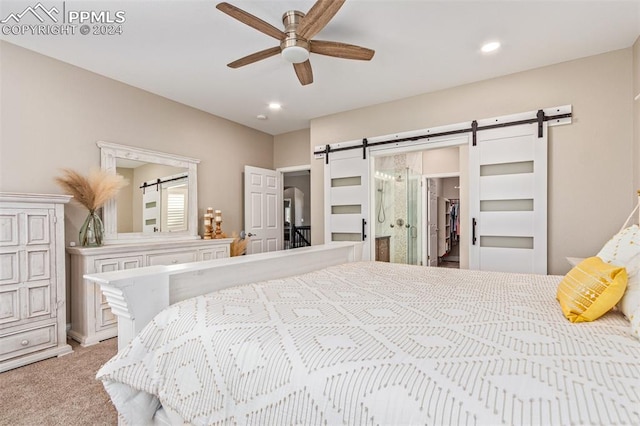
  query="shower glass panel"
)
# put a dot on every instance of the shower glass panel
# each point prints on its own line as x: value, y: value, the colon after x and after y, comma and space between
x: 398, y: 207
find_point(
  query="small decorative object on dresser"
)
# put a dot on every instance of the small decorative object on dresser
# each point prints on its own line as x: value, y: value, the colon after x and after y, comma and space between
x: 32, y: 279
x: 208, y: 224
x: 218, y: 220
x: 92, y: 192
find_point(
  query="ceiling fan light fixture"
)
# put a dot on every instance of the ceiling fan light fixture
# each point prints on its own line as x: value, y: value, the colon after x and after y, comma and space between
x: 295, y: 54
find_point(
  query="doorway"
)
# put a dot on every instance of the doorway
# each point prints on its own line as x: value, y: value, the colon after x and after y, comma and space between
x: 297, y: 208
x: 416, y: 207
x: 442, y: 230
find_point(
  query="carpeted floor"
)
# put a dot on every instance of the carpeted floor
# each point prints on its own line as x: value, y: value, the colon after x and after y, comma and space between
x: 59, y: 391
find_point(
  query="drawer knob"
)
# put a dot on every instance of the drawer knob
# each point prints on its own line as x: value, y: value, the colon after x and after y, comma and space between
x: 25, y: 342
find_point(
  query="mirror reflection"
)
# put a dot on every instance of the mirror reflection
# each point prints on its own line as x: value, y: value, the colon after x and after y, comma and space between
x: 156, y: 199
x: 172, y: 211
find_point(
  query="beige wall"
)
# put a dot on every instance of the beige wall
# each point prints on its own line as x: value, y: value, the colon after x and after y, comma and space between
x: 451, y: 188
x: 53, y: 113
x: 590, y: 161
x: 291, y: 149
x: 441, y: 160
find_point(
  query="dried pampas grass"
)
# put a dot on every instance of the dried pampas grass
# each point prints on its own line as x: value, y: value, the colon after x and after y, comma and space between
x: 238, y: 245
x: 91, y: 191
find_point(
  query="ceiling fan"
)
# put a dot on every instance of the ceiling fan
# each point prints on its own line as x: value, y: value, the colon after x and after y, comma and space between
x: 296, y: 40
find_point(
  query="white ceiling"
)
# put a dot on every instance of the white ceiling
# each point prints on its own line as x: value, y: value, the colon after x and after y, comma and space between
x: 179, y: 50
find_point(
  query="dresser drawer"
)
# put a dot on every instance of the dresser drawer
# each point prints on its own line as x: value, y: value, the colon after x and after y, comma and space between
x: 26, y: 341
x: 172, y: 258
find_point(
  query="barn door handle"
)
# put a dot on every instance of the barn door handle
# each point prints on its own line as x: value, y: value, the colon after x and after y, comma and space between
x: 473, y: 231
x: 364, y: 236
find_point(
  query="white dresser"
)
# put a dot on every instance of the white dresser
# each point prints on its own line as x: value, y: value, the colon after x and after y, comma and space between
x: 91, y: 317
x: 32, y: 279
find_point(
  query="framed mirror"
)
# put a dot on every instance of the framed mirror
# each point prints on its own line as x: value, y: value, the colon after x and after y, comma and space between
x: 160, y: 201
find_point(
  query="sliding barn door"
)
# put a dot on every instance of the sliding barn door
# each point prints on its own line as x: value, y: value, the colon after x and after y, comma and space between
x: 151, y: 208
x: 346, y: 194
x: 508, y: 200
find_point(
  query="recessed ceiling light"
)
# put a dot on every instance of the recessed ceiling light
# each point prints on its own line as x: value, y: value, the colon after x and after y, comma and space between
x: 261, y: 117
x: 274, y: 106
x: 490, y: 47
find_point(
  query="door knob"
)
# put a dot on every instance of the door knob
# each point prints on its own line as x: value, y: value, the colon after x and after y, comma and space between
x: 251, y: 235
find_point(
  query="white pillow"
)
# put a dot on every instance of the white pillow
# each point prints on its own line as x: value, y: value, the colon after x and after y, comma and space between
x: 630, y: 301
x: 624, y: 250
x: 624, y: 246
x: 635, y: 323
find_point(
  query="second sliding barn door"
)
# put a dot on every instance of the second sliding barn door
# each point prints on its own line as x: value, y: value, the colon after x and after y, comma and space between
x: 508, y: 200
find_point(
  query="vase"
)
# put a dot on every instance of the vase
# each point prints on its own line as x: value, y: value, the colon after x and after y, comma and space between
x: 92, y: 231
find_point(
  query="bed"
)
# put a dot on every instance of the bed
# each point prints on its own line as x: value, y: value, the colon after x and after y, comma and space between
x: 349, y: 342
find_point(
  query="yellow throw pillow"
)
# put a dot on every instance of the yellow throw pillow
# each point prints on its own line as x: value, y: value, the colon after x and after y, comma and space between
x: 590, y: 289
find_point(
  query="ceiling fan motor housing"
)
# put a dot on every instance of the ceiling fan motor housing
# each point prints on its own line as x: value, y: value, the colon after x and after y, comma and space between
x: 294, y: 49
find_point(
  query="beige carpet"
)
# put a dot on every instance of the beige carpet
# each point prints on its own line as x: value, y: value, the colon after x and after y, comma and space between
x: 59, y: 391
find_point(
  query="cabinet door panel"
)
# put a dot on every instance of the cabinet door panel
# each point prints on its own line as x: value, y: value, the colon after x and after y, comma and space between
x: 9, y: 269
x: 8, y: 228
x: 38, y: 264
x: 214, y: 253
x: 37, y: 227
x: 9, y: 306
x: 38, y: 299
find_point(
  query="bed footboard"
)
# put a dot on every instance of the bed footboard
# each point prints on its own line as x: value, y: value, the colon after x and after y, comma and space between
x: 137, y: 295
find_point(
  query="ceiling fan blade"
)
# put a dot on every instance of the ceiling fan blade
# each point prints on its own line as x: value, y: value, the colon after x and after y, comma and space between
x: 304, y: 72
x: 255, y: 57
x: 341, y: 50
x: 318, y: 16
x: 252, y: 21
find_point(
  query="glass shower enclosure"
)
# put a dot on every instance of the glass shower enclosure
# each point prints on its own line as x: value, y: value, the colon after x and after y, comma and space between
x: 398, y: 206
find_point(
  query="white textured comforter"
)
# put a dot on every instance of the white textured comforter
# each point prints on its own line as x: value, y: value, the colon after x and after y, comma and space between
x: 376, y: 343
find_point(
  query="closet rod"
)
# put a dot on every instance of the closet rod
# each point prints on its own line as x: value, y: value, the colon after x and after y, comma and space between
x: 540, y: 118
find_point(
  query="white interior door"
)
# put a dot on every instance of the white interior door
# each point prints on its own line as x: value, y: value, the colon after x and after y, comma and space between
x: 263, y: 202
x: 346, y: 192
x: 151, y: 209
x: 508, y: 200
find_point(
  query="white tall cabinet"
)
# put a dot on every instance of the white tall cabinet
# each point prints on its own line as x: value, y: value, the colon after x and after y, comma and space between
x: 91, y: 316
x: 32, y: 278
